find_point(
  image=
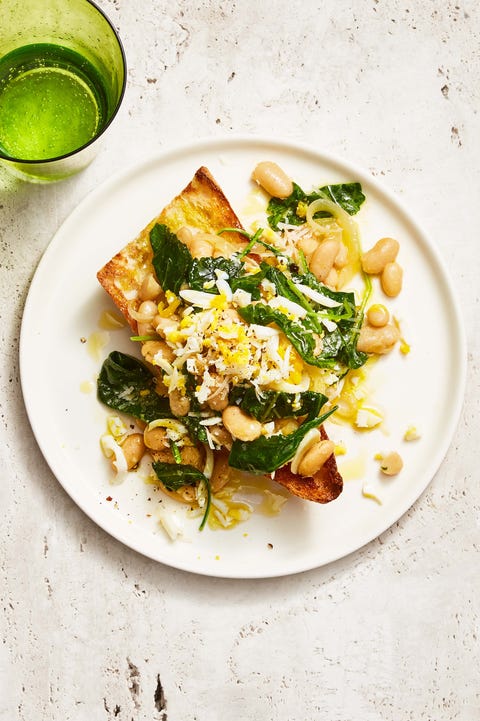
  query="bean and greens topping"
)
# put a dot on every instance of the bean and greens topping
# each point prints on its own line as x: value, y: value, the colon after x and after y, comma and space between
x: 243, y: 350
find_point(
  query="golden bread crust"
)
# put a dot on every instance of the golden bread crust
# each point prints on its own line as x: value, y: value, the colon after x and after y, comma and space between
x: 202, y: 204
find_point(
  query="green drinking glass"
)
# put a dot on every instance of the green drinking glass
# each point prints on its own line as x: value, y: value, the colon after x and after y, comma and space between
x: 62, y: 80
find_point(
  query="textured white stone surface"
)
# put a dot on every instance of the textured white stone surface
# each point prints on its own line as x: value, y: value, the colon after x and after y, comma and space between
x: 91, y: 630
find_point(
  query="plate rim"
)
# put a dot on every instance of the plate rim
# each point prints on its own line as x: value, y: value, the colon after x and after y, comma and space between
x: 224, y: 143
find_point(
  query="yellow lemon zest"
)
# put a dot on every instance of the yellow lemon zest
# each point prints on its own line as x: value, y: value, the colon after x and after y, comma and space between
x: 367, y: 492
x: 301, y: 210
x: 404, y: 346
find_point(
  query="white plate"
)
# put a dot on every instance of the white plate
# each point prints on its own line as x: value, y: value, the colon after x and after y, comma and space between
x: 65, y: 302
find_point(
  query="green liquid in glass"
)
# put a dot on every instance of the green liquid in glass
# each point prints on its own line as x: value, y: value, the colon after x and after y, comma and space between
x: 52, y: 102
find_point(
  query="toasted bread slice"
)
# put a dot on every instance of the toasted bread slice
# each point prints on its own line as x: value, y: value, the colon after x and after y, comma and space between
x: 201, y: 205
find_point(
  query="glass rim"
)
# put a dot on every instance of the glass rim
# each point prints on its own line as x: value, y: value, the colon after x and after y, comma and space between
x: 11, y: 159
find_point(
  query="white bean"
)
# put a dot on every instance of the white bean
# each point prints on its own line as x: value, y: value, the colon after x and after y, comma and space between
x: 273, y: 179
x: 179, y: 403
x: 185, y: 235
x: 391, y: 464
x: 152, y: 347
x: 315, y: 458
x: 221, y: 472
x: 201, y: 246
x: 384, y: 251
x: 378, y: 315
x: 145, y: 328
x: 378, y: 340
x: 218, y: 401
x: 156, y: 439
x: 308, y: 245
x: 332, y: 279
x: 341, y: 258
x: 391, y: 279
x: 241, y: 425
x: 133, y: 448
x: 149, y: 289
x: 148, y: 308
x: 321, y: 262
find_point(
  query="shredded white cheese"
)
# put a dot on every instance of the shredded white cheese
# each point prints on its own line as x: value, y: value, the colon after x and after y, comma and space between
x: 318, y: 297
x: 170, y: 522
